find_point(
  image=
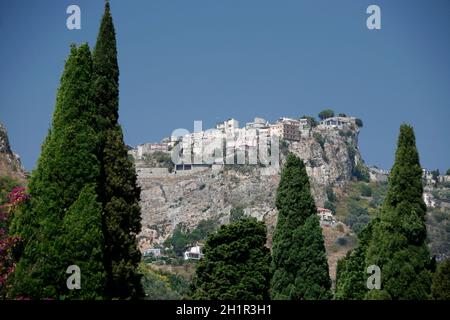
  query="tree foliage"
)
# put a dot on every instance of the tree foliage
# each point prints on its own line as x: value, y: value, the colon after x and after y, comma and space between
x: 8, y: 206
x: 358, y: 216
x: 66, y: 165
x: 319, y: 139
x: 435, y: 174
x: 361, y: 173
x: 397, y: 237
x: 85, y: 200
x: 330, y: 206
x: 441, y: 281
x: 182, y: 237
x: 351, y: 274
x: 7, y: 184
x: 359, y: 122
x: 82, y: 225
x: 160, y: 285
x: 398, y: 244
x: 235, y: 265
x: 325, y: 114
x: 117, y: 187
x: 236, y: 213
x: 331, y: 195
x: 312, y: 122
x: 299, y: 263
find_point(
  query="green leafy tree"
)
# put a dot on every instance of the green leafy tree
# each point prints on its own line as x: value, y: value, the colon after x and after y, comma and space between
x: 448, y: 172
x: 236, y: 263
x: 203, y: 229
x: 117, y: 187
x: 160, y: 285
x: 435, y: 174
x: 66, y: 165
x: 441, y: 281
x: 331, y: 195
x: 179, y: 240
x: 359, y: 122
x: 398, y: 243
x: 284, y: 147
x: 311, y: 121
x: 325, y: 114
x: 182, y: 237
x: 366, y: 190
x: 236, y: 213
x: 299, y: 262
x: 330, y: 206
x: 361, y: 173
x: 358, y: 216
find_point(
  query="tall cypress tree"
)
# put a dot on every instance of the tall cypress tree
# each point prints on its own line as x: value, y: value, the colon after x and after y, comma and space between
x: 351, y: 273
x: 118, y: 190
x: 398, y: 242
x: 82, y: 243
x: 299, y: 262
x: 236, y: 263
x: 66, y: 165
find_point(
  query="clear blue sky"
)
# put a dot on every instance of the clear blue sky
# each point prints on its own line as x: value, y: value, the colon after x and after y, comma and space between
x: 186, y: 60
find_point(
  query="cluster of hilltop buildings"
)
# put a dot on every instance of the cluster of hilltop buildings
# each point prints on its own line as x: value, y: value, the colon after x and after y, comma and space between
x: 228, y: 143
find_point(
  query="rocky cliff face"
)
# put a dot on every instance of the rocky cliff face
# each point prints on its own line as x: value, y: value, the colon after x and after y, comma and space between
x: 10, y: 164
x: 188, y: 197
x: 330, y: 156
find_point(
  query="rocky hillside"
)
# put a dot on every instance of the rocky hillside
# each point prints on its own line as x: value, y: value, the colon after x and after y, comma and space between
x: 168, y: 199
x: 333, y: 162
x: 437, y: 197
x: 10, y: 164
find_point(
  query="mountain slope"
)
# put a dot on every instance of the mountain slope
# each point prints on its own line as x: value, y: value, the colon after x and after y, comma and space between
x: 10, y: 164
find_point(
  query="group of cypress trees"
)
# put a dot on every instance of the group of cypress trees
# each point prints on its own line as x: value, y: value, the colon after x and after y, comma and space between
x: 84, y: 207
x: 395, y: 241
x: 237, y: 265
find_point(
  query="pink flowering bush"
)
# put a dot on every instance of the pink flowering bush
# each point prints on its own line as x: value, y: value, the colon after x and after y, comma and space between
x: 7, y: 264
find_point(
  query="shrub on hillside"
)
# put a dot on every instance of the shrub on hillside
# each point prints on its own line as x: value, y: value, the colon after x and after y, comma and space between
x: 319, y: 139
x: 361, y: 173
x: 366, y: 190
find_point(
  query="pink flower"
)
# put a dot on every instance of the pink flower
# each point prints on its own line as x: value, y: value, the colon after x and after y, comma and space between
x: 18, y: 195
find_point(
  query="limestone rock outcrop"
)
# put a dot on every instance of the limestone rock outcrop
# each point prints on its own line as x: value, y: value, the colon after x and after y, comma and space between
x: 190, y: 196
x: 10, y: 164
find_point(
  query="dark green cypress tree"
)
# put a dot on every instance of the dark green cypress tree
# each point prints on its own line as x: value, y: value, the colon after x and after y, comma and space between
x: 118, y: 190
x: 299, y: 262
x: 236, y: 263
x: 66, y: 165
x: 351, y: 276
x: 82, y: 243
x: 398, y: 240
x: 441, y: 281
x: 106, y: 73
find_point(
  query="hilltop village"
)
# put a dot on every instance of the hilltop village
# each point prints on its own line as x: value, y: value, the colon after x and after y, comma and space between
x: 228, y: 143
